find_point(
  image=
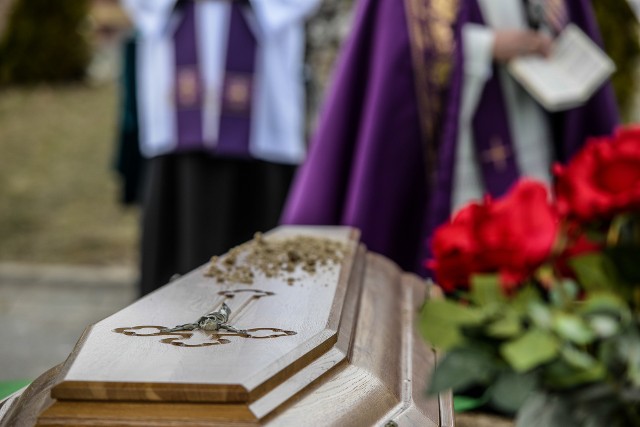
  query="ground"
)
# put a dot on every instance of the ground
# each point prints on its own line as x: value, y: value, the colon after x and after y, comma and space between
x: 58, y: 188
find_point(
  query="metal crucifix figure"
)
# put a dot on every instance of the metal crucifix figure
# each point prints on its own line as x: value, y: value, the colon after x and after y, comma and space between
x: 214, y: 321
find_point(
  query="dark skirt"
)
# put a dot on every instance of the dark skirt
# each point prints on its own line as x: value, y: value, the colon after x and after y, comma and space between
x: 196, y: 206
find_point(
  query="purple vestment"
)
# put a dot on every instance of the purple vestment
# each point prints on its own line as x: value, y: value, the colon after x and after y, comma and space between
x: 368, y: 163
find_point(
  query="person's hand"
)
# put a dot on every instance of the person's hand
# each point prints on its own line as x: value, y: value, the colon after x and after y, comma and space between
x: 509, y: 44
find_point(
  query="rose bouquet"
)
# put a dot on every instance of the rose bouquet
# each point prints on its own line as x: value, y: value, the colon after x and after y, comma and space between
x: 542, y: 307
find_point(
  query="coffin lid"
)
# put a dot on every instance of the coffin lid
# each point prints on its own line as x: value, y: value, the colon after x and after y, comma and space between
x: 292, y: 319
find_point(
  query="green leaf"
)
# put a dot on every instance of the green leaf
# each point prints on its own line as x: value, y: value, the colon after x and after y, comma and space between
x: 546, y: 275
x: 511, y: 390
x: 590, y: 394
x: 594, y: 271
x: 532, y: 349
x: 607, y: 353
x: 577, y: 358
x: 452, y: 312
x: 599, y: 404
x: 605, y: 303
x: 463, y: 403
x: 486, y: 290
x: 606, y: 313
x: 630, y: 351
x: 625, y: 259
x: 445, y: 336
x: 524, y: 298
x: 624, y: 230
x: 603, y: 325
x: 564, y: 293
x: 544, y: 410
x: 540, y: 315
x: 560, y: 374
x: 441, y: 322
x: 573, y: 328
x: 461, y: 368
x: 596, y: 235
x: 508, y: 326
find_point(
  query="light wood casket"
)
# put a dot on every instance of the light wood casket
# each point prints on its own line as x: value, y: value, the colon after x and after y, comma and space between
x: 327, y: 342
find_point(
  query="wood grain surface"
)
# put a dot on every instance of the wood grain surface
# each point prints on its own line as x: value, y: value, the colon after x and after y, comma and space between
x: 387, y: 375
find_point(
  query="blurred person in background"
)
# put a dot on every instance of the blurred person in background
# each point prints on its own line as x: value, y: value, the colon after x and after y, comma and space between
x: 423, y: 117
x: 221, y: 116
x: 129, y: 162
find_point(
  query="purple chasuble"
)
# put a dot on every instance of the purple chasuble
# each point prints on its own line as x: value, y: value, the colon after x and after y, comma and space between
x: 365, y: 166
x: 237, y: 88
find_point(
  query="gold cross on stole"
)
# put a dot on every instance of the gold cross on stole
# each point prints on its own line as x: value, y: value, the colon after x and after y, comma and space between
x: 187, y: 87
x: 497, y: 154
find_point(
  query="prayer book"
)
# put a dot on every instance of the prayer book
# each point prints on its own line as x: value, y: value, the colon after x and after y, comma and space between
x: 569, y: 76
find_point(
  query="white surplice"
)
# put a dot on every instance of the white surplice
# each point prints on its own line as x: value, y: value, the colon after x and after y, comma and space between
x: 277, y: 120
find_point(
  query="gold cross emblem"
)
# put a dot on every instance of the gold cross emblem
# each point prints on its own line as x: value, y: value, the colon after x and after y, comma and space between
x: 188, y: 87
x: 237, y: 92
x: 497, y: 154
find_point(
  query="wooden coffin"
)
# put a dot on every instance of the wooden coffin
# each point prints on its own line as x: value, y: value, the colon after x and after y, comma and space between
x: 317, y: 338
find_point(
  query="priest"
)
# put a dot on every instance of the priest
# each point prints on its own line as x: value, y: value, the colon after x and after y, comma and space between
x: 221, y: 112
x: 424, y: 117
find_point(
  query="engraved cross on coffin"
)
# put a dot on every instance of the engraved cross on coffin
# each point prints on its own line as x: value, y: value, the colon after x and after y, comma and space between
x: 314, y: 340
x: 212, y: 328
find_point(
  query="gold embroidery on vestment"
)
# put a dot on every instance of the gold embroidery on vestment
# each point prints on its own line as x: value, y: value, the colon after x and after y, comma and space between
x: 430, y: 24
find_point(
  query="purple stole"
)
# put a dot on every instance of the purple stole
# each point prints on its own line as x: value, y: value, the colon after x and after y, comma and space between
x: 235, y: 112
x: 492, y: 136
x: 189, y: 87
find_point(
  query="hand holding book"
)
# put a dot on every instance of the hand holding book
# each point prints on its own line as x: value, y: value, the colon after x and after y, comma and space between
x: 566, y: 78
x: 510, y: 44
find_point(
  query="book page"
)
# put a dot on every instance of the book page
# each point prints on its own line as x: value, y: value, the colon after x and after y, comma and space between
x: 576, y: 68
x: 635, y: 6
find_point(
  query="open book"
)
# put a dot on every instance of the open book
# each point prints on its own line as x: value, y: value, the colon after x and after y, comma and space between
x: 576, y: 68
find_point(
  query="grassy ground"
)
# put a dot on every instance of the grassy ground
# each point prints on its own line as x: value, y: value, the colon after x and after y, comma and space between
x: 58, y: 189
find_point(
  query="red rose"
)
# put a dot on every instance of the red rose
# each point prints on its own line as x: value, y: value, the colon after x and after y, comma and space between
x: 511, y: 236
x: 454, y: 249
x: 520, y: 232
x: 628, y: 132
x: 602, y: 179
